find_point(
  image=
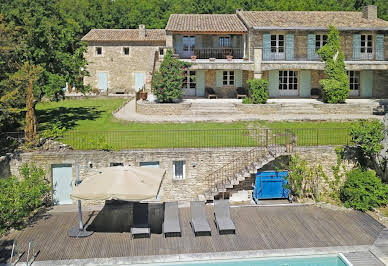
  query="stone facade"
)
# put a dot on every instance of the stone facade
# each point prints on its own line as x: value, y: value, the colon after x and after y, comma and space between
x: 198, y: 164
x: 161, y: 108
x: 380, y: 83
x: 121, y: 68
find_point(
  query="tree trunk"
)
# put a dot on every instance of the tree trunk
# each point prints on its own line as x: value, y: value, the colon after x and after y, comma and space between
x: 30, y: 129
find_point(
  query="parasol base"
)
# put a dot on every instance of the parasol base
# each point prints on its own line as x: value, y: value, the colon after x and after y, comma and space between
x: 76, y: 232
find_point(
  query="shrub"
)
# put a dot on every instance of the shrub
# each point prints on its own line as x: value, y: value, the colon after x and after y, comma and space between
x: 53, y: 133
x: 19, y: 198
x: 368, y: 135
x: 336, y: 86
x: 363, y: 190
x: 167, y: 83
x: 258, y: 91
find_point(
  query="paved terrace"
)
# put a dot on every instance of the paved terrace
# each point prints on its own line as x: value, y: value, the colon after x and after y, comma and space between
x: 258, y: 228
x: 224, y: 110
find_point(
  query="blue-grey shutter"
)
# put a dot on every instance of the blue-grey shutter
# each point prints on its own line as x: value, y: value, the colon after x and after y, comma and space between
x: 380, y: 47
x: 356, y: 46
x: 200, y: 81
x: 289, y: 46
x: 238, y: 78
x: 305, y: 83
x: 310, y: 46
x: 266, y: 46
x: 273, y: 83
x: 219, y: 78
x: 366, y: 83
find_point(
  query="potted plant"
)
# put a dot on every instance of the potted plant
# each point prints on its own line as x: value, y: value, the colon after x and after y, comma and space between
x: 212, y: 59
x: 193, y: 57
x: 229, y: 57
x: 143, y: 94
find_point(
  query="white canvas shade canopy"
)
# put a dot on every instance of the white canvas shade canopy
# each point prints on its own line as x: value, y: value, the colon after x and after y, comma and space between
x: 120, y: 183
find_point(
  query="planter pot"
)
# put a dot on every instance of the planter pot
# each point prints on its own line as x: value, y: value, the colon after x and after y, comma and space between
x: 212, y: 59
x: 229, y: 57
x: 143, y: 95
x: 245, y: 58
x: 193, y: 57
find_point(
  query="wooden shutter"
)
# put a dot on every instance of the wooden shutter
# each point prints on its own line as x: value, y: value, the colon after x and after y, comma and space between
x: 290, y: 47
x: 366, y: 79
x: 379, y: 47
x: 266, y: 46
x: 238, y: 78
x: 356, y: 46
x: 310, y: 46
x: 273, y: 83
x: 305, y: 83
x: 219, y: 78
x: 200, y: 81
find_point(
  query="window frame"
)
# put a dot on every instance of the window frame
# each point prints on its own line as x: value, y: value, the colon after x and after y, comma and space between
x: 222, y: 41
x: 353, y: 76
x: 322, y: 40
x: 149, y: 164
x: 284, y: 80
x: 96, y: 51
x: 230, y: 78
x: 188, y: 81
x: 174, y: 173
x: 123, y: 50
x: 366, y: 45
x: 188, y: 45
x: 277, y: 48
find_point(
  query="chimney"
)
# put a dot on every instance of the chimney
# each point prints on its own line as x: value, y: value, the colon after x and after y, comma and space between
x: 369, y: 12
x: 142, y: 31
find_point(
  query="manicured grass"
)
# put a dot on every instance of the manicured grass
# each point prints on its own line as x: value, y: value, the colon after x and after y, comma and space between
x: 90, y: 125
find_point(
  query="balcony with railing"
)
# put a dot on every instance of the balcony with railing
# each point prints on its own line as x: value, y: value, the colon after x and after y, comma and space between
x: 208, y: 53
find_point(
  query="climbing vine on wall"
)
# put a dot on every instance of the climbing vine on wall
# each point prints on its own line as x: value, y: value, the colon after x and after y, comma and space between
x: 336, y: 86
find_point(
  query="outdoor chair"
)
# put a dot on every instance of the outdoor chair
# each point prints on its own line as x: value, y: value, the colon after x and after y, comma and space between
x: 241, y: 93
x: 211, y: 94
x: 140, y: 224
x: 171, y: 224
x: 315, y: 93
x: 199, y: 222
x: 222, y: 218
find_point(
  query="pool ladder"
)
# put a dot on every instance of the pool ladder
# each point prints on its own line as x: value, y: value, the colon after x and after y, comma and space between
x: 16, y: 254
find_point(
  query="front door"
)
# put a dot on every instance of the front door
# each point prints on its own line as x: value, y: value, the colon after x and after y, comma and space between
x: 288, y: 83
x: 102, y: 81
x: 189, y: 84
x: 62, y: 183
x: 139, y: 80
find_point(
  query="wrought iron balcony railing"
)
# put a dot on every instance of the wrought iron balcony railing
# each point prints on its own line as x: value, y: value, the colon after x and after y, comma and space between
x: 207, y: 53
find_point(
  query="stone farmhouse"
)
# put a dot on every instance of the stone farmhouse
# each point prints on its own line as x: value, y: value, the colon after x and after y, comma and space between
x: 228, y: 49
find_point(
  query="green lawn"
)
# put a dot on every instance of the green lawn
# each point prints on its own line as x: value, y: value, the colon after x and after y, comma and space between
x: 90, y: 125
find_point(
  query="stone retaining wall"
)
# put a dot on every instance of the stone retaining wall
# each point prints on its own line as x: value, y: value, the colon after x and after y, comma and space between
x: 321, y: 109
x: 161, y: 108
x: 198, y: 163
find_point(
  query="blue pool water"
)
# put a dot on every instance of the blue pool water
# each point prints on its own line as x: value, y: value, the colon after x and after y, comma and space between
x: 292, y: 261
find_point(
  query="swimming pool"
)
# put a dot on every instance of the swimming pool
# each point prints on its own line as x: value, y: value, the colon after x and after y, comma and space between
x: 291, y: 261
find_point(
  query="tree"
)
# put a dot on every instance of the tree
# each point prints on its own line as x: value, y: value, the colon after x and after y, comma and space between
x: 167, y: 83
x: 368, y: 137
x: 258, y: 91
x: 336, y: 86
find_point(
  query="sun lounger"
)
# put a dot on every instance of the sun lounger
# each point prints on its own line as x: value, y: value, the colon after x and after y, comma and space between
x: 171, y: 224
x: 140, y: 230
x: 222, y: 217
x: 199, y: 222
x: 140, y: 224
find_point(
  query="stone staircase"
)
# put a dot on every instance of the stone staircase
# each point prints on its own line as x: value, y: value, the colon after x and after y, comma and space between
x: 215, y: 109
x: 236, y: 171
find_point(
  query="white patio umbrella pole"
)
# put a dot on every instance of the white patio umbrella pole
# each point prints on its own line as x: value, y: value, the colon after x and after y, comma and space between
x: 78, y: 231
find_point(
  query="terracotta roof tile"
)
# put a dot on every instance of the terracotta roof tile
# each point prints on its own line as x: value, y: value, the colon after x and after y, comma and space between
x: 205, y: 23
x: 309, y: 19
x: 124, y: 35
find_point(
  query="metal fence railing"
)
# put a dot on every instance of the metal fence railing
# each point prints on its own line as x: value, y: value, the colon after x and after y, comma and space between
x: 194, y: 138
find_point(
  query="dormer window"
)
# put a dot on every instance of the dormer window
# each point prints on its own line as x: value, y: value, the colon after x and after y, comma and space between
x: 125, y: 50
x: 98, y: 50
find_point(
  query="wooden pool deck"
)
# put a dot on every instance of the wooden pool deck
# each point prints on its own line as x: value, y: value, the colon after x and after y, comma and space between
x: 258, y: 228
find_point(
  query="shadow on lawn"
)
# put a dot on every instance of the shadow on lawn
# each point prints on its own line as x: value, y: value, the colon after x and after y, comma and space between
x: 65, y: 116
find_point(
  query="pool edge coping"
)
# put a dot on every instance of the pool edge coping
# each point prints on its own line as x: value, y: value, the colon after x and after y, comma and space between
x: 191, y: 257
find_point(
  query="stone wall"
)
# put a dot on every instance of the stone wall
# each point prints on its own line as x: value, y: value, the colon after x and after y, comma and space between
x: 198, y: 163
x: 150, y: 108
x: 121, y: 68
x: 5, y: 170
x: 307, y: 108
x: 380, y: 88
